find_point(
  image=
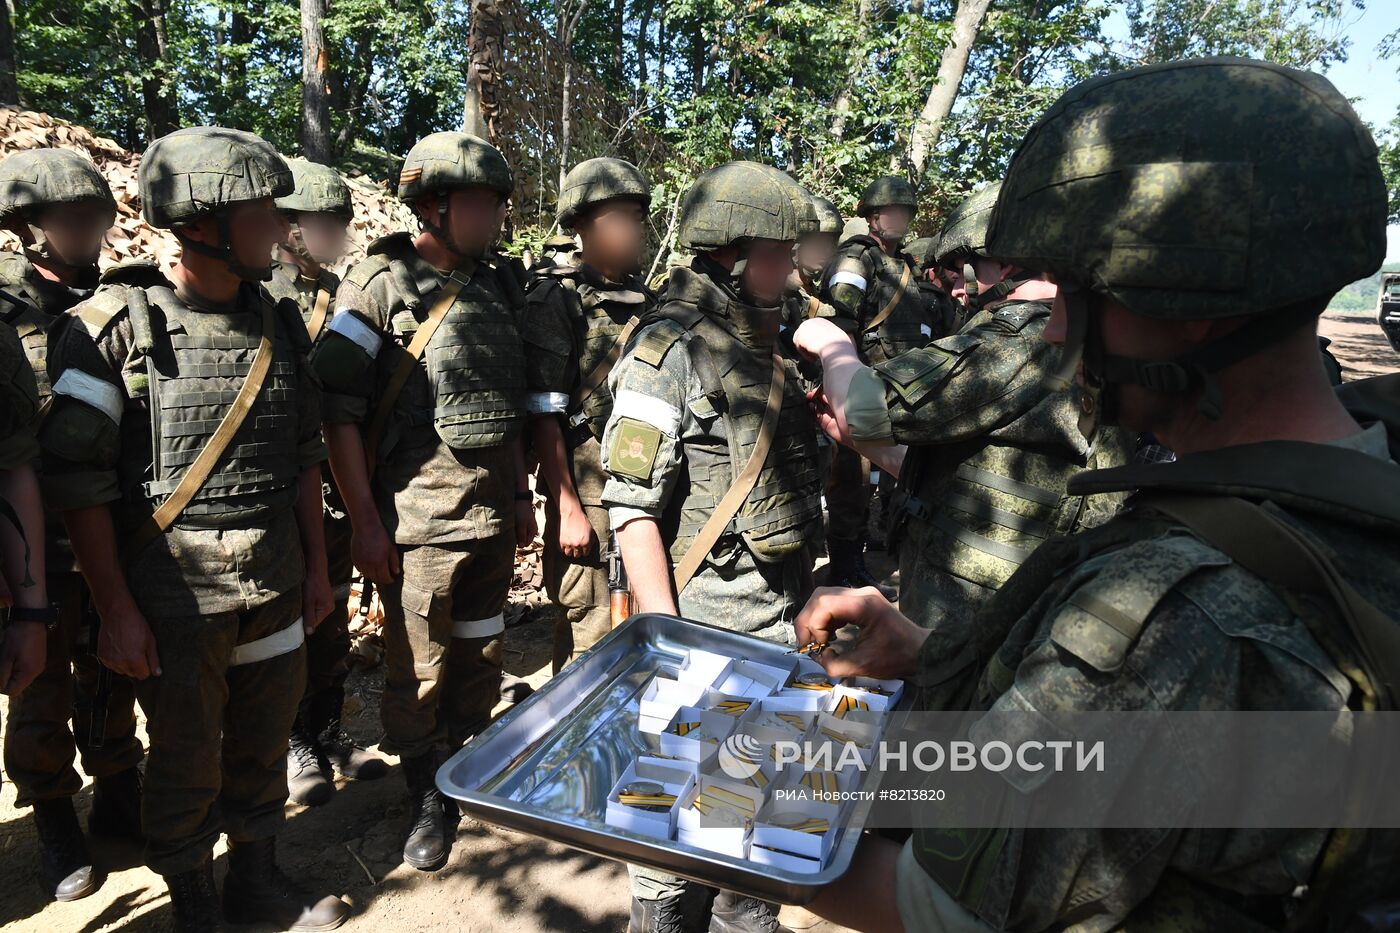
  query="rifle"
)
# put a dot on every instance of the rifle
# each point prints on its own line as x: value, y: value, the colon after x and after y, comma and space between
x: 102, y: 693
x: 619, y: 590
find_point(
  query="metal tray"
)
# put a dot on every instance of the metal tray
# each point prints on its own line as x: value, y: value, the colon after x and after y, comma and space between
x: 546, y: 766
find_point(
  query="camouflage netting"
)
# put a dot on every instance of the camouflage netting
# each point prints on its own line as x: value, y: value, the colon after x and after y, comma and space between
x: 519, y: 67
x: 377, y: 211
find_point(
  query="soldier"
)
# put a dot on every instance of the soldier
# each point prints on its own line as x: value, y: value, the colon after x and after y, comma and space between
x: 205, y: 561
x: 990, y: 446
x: 424, y: 375
x: 317, y: 212
x: 578, y: 318
x: 558, y: 250
x: 1198, y: 217
x: 873, y: 288
x: 714, y: 461
x: 59, y: 205
x: 947, y: 315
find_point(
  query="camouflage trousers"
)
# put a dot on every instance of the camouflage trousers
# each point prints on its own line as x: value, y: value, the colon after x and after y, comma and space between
x: 579, y: 587
x: 328, y: 648
x: 847, y: 496
x: 218, y: 756
x: 51, y: 722
x: 444, y: 643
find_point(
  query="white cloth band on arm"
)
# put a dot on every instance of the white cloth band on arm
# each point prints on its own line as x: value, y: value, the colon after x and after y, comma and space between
x: 620, y: 515
x: 848, y: 278
x: 347, y: 325
x: 278, y: 643
x: 479, y: 628
x: 87, y: 388
x: 546, y: 403
x: 663, y: 416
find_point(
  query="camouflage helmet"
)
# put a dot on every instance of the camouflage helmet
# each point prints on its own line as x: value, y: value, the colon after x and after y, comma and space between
x: 200, y: 170
x: 1198, y: 189
x: 965, y: 230
x: 887, y: 191
x: 319, y: 189
x: 597, y: 180
x: 38, y: 178
x: 742, y: 200
x: 829, y: 220
x: 449, y: 160
x: 920, y: 252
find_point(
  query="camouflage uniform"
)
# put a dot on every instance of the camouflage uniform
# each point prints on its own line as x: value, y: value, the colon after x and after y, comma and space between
x: 689, y: 395
x: 1142, y: 613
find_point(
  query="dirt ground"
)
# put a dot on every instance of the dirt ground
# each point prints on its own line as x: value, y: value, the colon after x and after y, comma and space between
x: 497, y: 880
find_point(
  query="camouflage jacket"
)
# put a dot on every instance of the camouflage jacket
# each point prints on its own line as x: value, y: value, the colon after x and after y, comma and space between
x: 288, y: 282
x: 98, y: 450
x: 863, y: 280
x: 1142, y: 614
x: 30, y: 303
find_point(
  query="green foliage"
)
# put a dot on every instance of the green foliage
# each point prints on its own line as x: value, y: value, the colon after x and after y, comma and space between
x: 1360, y: 296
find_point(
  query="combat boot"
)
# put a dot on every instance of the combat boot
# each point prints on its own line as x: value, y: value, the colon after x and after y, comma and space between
x: 663, y: 915
x: 194, y: 900
x: 847, y: 567
x: 735, y: 913
x: 65, y: 868
x: 351, y: 759
x: 256, y: 891
x: 308, y: 772
x: 432, y: 824
x: 116, y: 806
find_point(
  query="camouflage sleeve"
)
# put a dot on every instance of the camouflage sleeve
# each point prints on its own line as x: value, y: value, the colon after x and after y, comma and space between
x: 20, y: 405
x: 551, y: 360
x: 965, y: 386
x: 82, y: 433
x: 642, y: 441
x: 344, y: 356
x: 311, y: 445
x: 845, y: 283
x: 1164, y: 624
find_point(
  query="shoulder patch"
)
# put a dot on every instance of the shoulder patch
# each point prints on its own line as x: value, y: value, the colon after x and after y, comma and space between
x: 633, y: 449
x: 656, y: 341
x: 366, y: 269
x: 104, y: 307
x: 1015, y: 315
x: 1101, y: 619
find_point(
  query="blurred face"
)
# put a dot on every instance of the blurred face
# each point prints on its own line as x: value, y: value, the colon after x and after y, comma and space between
x: 473, y: 220
x: 766, y: 272
x: 953, y: 273
x: 891, y: 223
x: 815, y: 251
x: 254, y: 228
x: 613, y: 234
x: 323, y: 236
x: 75, y: 231
x: 988, y: 271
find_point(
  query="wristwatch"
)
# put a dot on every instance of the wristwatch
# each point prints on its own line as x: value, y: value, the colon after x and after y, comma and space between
x: 48, y: 615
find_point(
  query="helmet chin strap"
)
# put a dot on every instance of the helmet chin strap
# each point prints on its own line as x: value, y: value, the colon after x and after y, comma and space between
x: 1191, y: 373
x: 997, y: 292
x: 225, y: 252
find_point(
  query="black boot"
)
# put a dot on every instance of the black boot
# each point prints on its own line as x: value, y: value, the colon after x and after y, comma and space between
x: 659, y: 916
x: 256, y: 891
x: 734, y: 913
x: 433, y: 819
x: 308, y: 772
x: 194, y: 899
x: 514, y: 689
x: 65, y: 868
x: 351, y: 759
x: 847, y: 567
x: 116, y: 806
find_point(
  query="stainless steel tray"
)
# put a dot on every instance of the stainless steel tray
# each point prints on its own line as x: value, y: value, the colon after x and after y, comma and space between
x: 547, y: 765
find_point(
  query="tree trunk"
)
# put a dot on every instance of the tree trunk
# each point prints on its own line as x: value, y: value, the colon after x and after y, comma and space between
x: 347, y: 98
x: 484, y: 50
x: 967, y: 21
x: 854, y: 66
x: 566, y: 116
x: 9, y: 64
x: 618, y: 71
x: 315, y: 87
x: 157, y: 93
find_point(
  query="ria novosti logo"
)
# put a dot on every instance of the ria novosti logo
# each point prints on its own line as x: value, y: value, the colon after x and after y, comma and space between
x: 739, y: 756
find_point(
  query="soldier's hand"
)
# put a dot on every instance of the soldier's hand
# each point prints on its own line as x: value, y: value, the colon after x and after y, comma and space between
x: 22, y: 655
x: 831, y: 425
x: 886, y: 646
x: 575, y: 533
x: 815, y: 336
x: 126, y: 645
x: 525, y: 525
x: 375, y: 553
x: 316, y: 600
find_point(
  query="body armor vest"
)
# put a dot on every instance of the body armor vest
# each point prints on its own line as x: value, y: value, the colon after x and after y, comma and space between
x: 987, y: 503
x: 194, y: 376
x: 903, y: 329
x: 475, y: 361
x: 731, y: 346
x: 29, y: 304
x: 600, y: 312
